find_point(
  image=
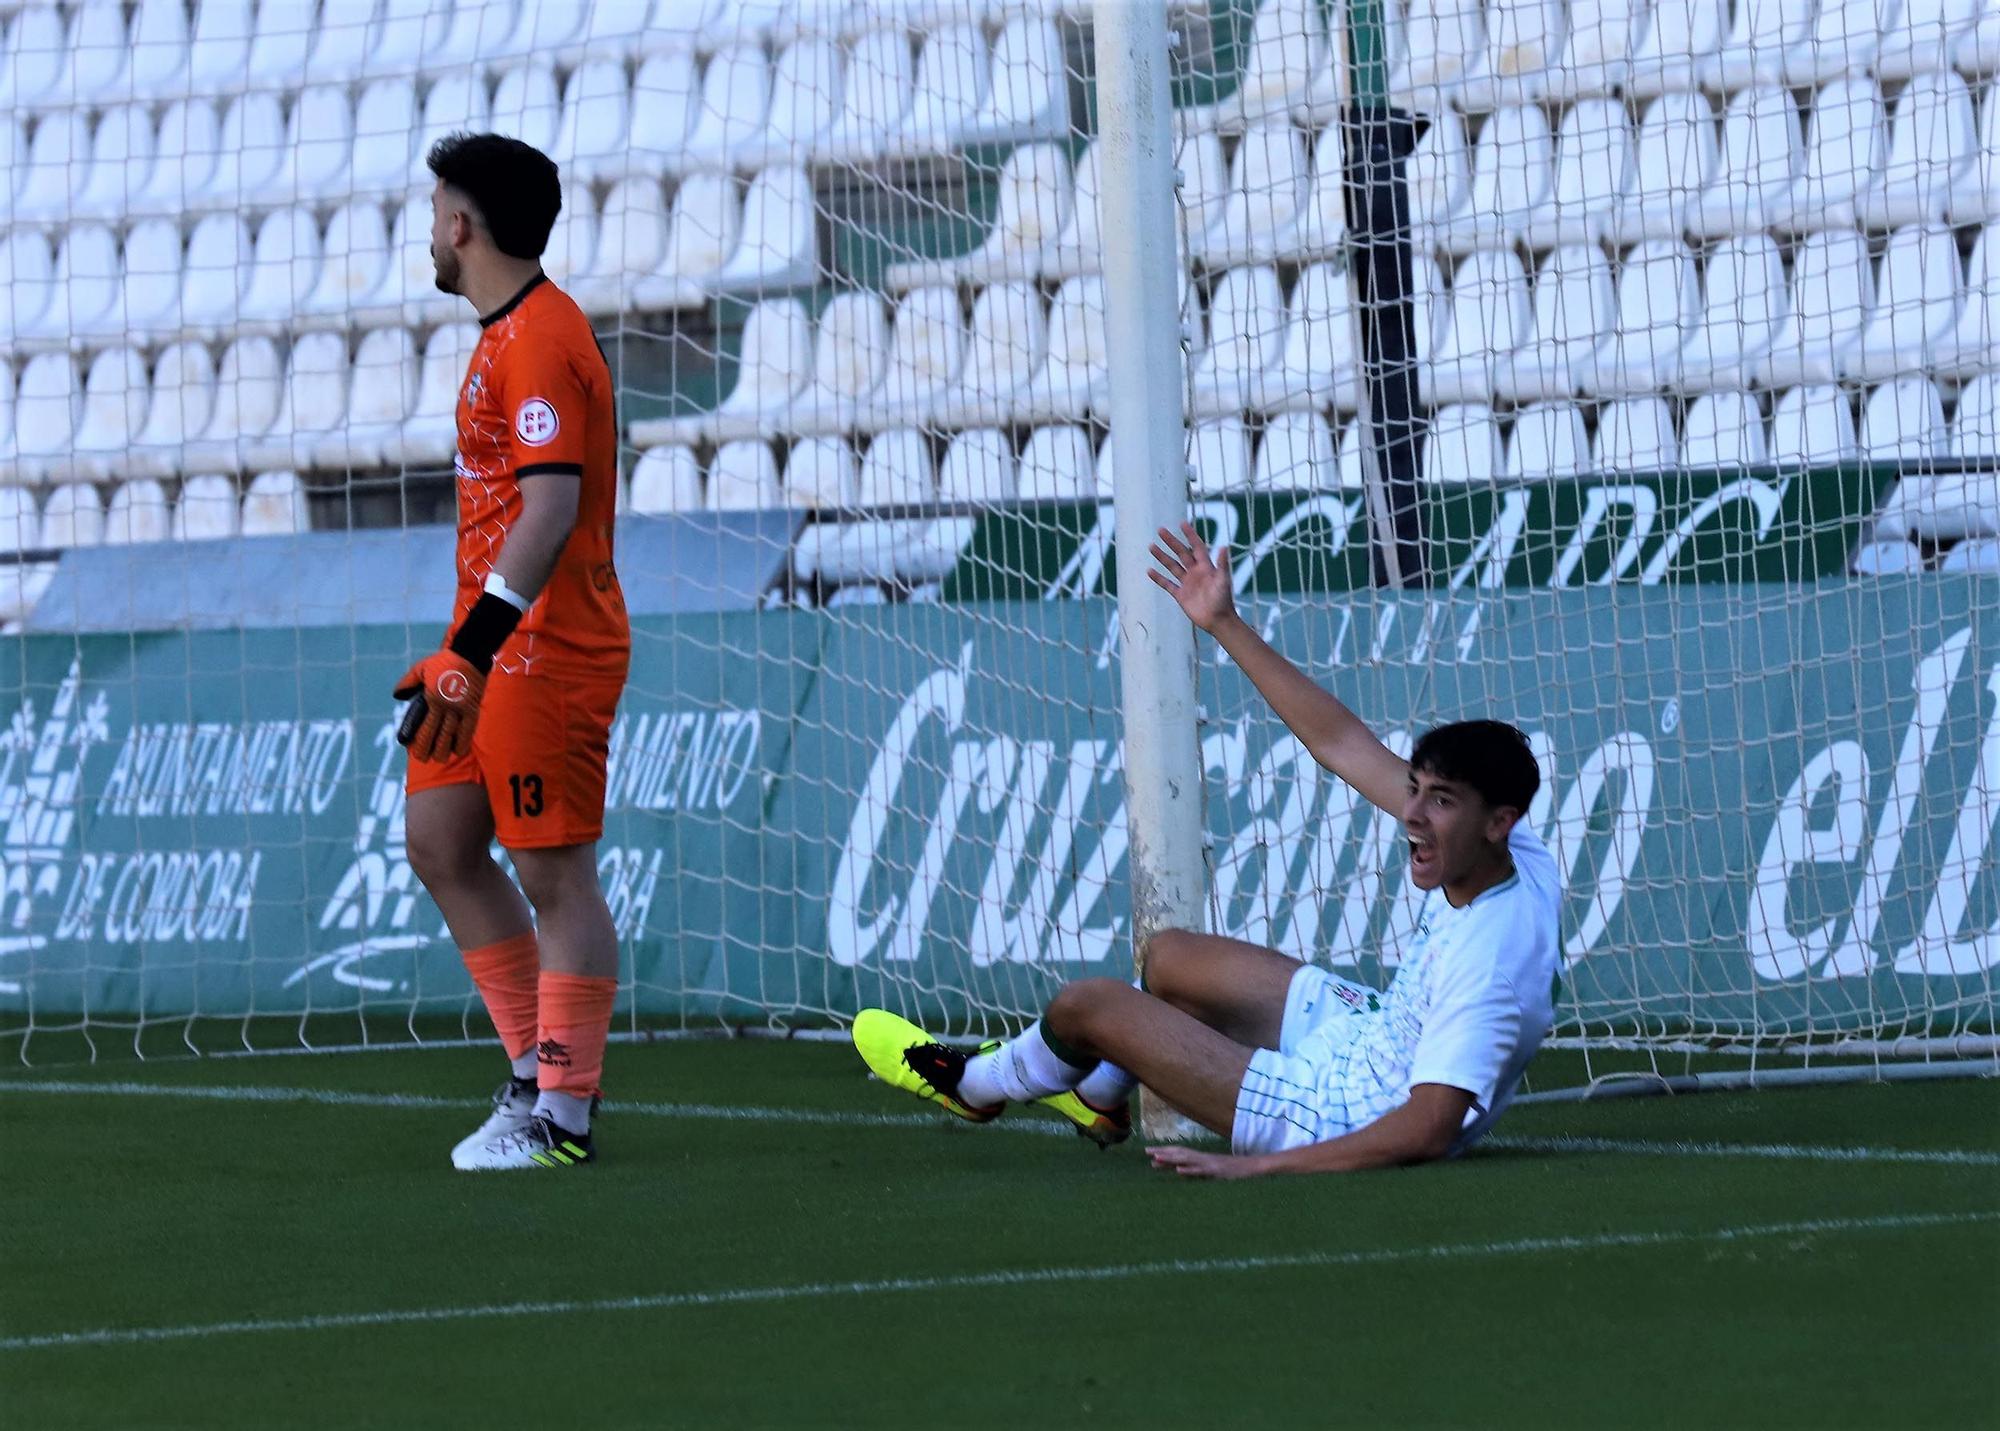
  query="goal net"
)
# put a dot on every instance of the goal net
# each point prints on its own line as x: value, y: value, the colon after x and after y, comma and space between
x: 1621, y: 370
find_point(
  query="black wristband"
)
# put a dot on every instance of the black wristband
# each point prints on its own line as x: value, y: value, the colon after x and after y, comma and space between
x: 485, y: 630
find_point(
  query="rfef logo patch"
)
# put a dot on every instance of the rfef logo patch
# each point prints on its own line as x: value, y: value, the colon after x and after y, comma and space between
x: 453, y: 686
x: 535, y: 423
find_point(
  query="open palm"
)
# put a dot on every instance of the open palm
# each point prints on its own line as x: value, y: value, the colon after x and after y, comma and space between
x: 1195, y: 577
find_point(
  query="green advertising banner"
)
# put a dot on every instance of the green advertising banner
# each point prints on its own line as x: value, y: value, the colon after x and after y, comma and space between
x: 1774, y: 806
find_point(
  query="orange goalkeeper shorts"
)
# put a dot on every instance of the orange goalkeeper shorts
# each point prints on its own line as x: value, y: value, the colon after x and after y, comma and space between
x: 542, y: 749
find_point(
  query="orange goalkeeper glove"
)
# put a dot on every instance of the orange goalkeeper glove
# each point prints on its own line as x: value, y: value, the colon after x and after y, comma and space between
x: 444, y: 690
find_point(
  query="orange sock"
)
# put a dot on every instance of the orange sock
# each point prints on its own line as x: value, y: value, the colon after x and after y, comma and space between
x: 575, y: 1017
x: 505, y: 973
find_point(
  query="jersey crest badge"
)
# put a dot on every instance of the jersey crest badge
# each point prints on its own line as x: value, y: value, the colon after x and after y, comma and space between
x: 536, y: 424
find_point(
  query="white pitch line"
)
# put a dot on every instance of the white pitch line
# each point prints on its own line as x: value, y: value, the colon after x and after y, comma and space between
x: 974, y: 1281
x: 1803, y: 1152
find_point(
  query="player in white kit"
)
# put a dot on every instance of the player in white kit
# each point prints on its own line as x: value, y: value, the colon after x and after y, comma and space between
x: 1303, y: 1071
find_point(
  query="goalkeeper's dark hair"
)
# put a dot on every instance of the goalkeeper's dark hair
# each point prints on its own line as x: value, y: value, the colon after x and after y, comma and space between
x: 515, y: 187
x: 1489, y: 755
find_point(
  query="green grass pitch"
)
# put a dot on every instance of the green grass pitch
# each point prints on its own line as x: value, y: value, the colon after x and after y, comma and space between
x: 770, y: 1239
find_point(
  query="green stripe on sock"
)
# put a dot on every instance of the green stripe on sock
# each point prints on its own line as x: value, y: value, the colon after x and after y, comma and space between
x: 1063, y: 1051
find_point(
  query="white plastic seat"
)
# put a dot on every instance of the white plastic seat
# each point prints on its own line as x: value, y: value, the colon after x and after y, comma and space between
x: 1523, y: 38
x: 1511, y: 169
x: 182, y: 401
x: 409, y: 35
x: 1636, y: 435
x: 776, y: 245
x: 1975, y: 429
x: 1297, y: 454
x: 1004, y: 347
x: 1677, y: 45
x: 284, y: 266
x: 1833, y: 292
x: 354, y: 255
x: 1246, y: 332
x: 596, y: 130
x: 663, y: 113
x: 72, y: 516
x: 881, y: 76
x: 312, y: 403
x: 1219, y: 453
x: 14, y: 147
x: 1761, y: 35
x: 430, y: 432
x: 1973, y: 346
x: 1672, y: 159
x: 121, y: 160
x: 6, y: 418
x: 456, y: 103
x: 409, y: 293
x: 46, y: 410
x: 340, y: 43
x: 1903, y: 421
x: 1916, y: 307
x: 1318, y: 366
x: 773, y: 358
x: 1433, y: 47
x: 1743, y: 302
x: 613, y: 30
x: 1575, y: 305
x: 1921, y: 37
x: 139, y: 512
x: 208, y: 509
x: 159, y: 41
x: 527, y: 105
x: 58, y: 153
x: 1319, y: 228
x: 279, y: 48
x: 1842, y: 41
x: 379, y: 398
x: 821, y: 472
x: 20, y: 520
x: 1203, y: 191
x: 744, y: 477
x: 978, y: 468
x: 186, y: 148
x: 1811, y: 426
x: 385, y: 119
x: 1846, y: 140
x: 701, y: 232
x: 1030, y: 209
x: 250, y: 147
x: 151, y: 281
x: 1975, y: 197
x: 896, y: 471
x: 849, y: 350
x: 1057, y: 463
x: 572, y: 245
x: 215, y: 272
x: 1463, y: 447
x: 1267, y: 181
x: 1548, y: 441
x: 1940, y: 508
x: 83, y: 294
x: 953, y: 69
x: 32, y: 69
x: 1438, y: 173
x: 730, y: 112
x: 1485, y: 322
x: 1075, y: 372
x: 1751, y: 176
x: 1593, y: 157
x: 1977, y: 53
x: 1724, y: 430
x: 1930, y: 154
x: 319, y: 144
x: 925, y: 347
x: 666, y: 479
x: 1598, y: 43
x: 1027, y: 94
x: 1286, y: 53
x: 541, y: 27
x: 1079, y: 247
x: 805, y: 99
x: 274, y: 505
x: 1657, y: 294
x: 115, y: 397
x: 1975, y: 555
x: 631, y: 240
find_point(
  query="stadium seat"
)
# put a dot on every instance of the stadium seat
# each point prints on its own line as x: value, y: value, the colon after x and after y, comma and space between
x: 1512, y: 166
x: 541, y: 28
x: 1751, y: 177
x: 81, y: 309
x: 1219, y: 453
x: 1842, y: 41
x: 666, y: 479
x: 151, y: 281
x: 1973, y: 346
x: 1319, y: 366
x: 1916, y: 307
x: 1846, y: 140
x: 1523, y: 38
x: 1260, y: 204
x: 1743, y: 302
x: 1812, y: 425
x: 1903, y: 421
x: 1672, y: 161
x: 354, y: 255
x: 979, y: 468
x: 1975, y: 197
x: 183, y: 400
x: 1548, y: 440
x: 1597, y: 46
x: 881, y: 75
x: 456, y: 102
x: 953, y: 69
x: 1635, y: 435
x: 59, y: 151
x: 1952, y: 507
x: 1202, y: 186
x: 1656, y: 306
x: 1057, y: 463
x: 1073, y: 378
x: 1678, y: 44
x: 663, y: 113
x: 1030, y: 209
x: 1593, y: 157
x: 821, y: 473
x: 1574, y: 309
x: 411, y: 35
x: 1975, y: 430
x: 275, y: 506
x: 1319, y: 228
x: 139, y: 512
x: 409, y: 293
x: 6, y: 418
x: 1438, y: 171
x: 20, y: 521
x: 849, y: 350
x: 319, y: 144
x: 610, y: 30
x: 776, y: 246
x: 773, y: 358
x: 1004, y: 347
x: 250, y: 147
x: 1297, y: 454
x: 596, y: 130
x: 572, y: 246
x: 185, y: 151
x: 1921, y: 36
x: 1246, y: 332
x: 925, y: 348
x: 1439, y: 41
x: 743, y: 477
x: 1286, y: 53
x: 217, y: 267
x: 527, y: 105
x: 340, y: 46
x: 1724, y: 430
x: 1887, y: 558
x: 1463, y: 447
x: 1079, y: 248
x: 1977, y: 53
x: 381, y: 164
x: 115, y: 397
x: 121, y: 160
x: 72, y: 516
x: 284, y: 265
x: 159, y: 40
x: 379, y: 398
x: 31, y: 70
x: 1485, y: 321
x: 1930, y: 152
x: 431, y: 432
x: 805, y: 100
x: 1978, y: 556
x: 735, y: 97
x: 312, y: 403
x: 97, y: 49
x: 1833, y: 292
x: 279, y: 48
x: 701, y: 234
x: 207, y: 509
x: 45, y: 415
x: 13, y: 150
x: 896, y: 471
x: 1027, y: 92
x: 631, y: 240
x: 1761, y: 35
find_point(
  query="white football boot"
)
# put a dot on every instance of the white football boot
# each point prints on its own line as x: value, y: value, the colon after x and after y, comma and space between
x: 513, y: 1106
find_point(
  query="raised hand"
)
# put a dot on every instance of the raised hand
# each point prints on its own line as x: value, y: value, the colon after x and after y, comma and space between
x: 1196, y: 578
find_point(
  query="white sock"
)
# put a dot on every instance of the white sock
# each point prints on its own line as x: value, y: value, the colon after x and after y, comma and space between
x: 1022, y: 1069
x: 524, y: 1066
x: 567, y: 1111
x: 1107, y: 1086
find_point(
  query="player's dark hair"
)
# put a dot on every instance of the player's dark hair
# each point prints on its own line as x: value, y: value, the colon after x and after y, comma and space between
x: 515, y: 187
x: 1489, y: 755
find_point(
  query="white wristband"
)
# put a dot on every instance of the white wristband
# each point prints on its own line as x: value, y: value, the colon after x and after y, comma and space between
x: 496, y: 585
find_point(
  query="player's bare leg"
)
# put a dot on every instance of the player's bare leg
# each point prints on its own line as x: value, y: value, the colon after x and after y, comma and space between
x: 1194, y: 1067
x: 1236, y: 988
x: 577, y: 932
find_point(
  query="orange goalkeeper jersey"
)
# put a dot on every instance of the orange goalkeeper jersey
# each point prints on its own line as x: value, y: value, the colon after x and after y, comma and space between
x: 537, y: 399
